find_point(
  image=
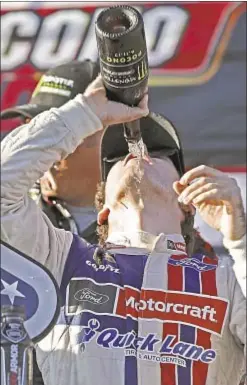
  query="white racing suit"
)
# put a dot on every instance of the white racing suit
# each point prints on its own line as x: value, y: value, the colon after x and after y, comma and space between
x: 147, y: 314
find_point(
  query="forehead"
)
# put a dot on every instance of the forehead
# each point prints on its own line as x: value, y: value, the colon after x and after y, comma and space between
x: 162, y: 165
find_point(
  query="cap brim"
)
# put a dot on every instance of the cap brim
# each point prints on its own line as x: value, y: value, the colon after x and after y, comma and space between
x: 159, y: 135
x: 25, y: 111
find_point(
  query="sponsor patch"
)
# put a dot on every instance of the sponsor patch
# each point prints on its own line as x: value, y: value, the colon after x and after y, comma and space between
x: 86, y: 295
x: 192, y: 263
x: 202, y: 311
x: 103, y: 267
x: 149, y: 347
x: 176, y: 246
x: 205, y: 312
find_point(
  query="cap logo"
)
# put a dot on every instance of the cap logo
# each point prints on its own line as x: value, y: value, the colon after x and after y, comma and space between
x: 54, y: 85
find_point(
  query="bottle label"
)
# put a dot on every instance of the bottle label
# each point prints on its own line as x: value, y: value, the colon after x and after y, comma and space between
x: 14, y: 332
x: 124, y: 71
x: 16, y: 365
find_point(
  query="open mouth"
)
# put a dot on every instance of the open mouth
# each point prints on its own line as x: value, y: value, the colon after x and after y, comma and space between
x: 146, y: 158
x: 127, y: 158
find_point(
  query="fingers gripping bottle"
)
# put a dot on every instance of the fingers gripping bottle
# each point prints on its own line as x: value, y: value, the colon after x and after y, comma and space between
x: 123, y: 59
x: 16, y: 348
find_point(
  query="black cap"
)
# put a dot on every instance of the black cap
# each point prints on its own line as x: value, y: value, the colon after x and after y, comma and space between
x: 56, y: 87
x: 159, y: 135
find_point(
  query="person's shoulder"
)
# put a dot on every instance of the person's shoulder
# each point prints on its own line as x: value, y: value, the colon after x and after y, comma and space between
x: 81, y: 245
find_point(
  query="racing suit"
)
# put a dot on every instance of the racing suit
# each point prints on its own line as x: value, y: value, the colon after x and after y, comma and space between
x: 146, y: 313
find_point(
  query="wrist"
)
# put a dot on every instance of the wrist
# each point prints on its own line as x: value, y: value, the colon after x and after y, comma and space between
x: 93, y: 114
x: 95, y: 106
x: 237, y: 220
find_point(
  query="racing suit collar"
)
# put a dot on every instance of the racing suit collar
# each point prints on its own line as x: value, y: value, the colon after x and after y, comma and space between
x: 172, y: 243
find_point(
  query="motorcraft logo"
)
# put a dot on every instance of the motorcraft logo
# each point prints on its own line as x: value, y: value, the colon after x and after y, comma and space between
x: 91, y: 296
x: 201, y: 311
x: 149, y: 347
x: 84, y: 294
x: 192, y: 263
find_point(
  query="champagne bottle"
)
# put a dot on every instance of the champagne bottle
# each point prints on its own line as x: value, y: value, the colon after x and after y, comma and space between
x: 123, y: 58
x: 16, y: 348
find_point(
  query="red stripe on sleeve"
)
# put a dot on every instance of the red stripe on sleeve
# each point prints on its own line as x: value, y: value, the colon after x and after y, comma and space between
x: 208, y: 278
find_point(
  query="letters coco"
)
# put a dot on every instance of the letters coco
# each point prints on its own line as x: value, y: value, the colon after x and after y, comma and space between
x: 25, y: 37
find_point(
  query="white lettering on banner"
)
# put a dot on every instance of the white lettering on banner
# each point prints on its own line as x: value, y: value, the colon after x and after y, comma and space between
x: 166, y: 26
x: 67, y: 29
x: 204, y: 313
x: 66, y: 35
x: 89, y: 48
x: 25, y: 26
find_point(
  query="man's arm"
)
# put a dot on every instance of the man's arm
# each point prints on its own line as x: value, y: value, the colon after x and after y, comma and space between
x: 26, y: 154
x: 32, y: 149
x: 237, y: 308
x: 218, y: 199
x: 237, y: 249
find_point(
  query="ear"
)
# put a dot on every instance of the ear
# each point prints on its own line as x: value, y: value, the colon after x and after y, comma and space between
x: 103, y: 215
x: 178, y: 188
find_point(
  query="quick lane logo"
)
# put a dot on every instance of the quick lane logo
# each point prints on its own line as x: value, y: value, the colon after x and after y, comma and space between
x: 91, y: 296
x: 146, y: 347
x: 86, y: 295
x: 193, y: 263
x: 202, y: 311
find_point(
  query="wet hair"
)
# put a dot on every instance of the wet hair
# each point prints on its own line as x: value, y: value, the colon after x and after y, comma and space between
x: 195, y: 244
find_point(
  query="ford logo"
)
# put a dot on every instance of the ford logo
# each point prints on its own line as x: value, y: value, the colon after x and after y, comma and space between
x: 88, y: 295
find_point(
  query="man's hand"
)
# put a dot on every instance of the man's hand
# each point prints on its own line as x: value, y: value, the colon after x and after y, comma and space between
x: 217, y: 198
x: 110, y: 112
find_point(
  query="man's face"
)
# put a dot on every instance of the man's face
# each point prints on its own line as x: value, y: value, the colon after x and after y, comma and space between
x: 75, y: 178
x: 133, y: 181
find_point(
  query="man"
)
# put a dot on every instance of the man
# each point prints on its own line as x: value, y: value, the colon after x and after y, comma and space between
x: 137, y: 310
x: 66, y: 192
